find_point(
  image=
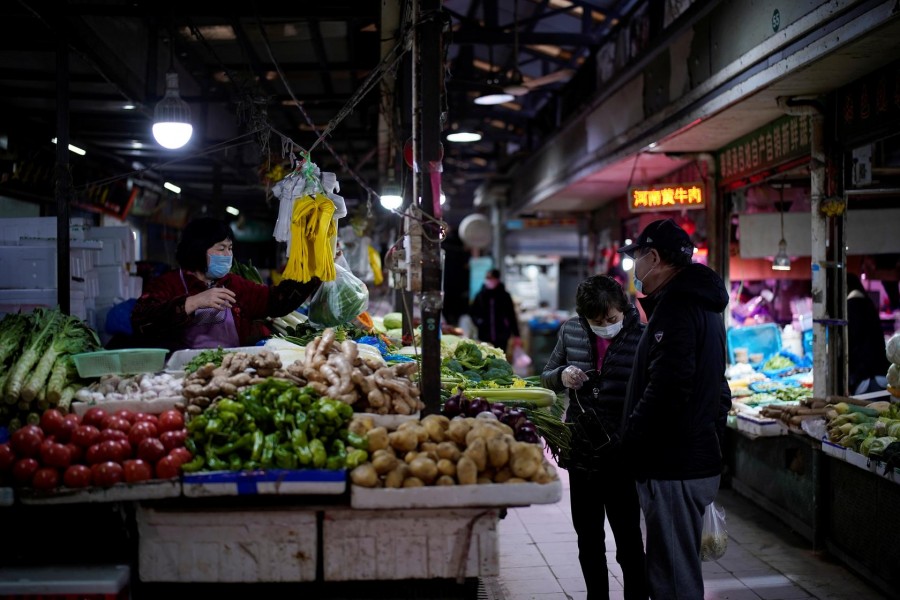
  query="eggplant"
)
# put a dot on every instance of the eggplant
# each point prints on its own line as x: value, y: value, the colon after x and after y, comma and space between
x: 528, y: 436
x: 451, y: 406
x: 498, y: 406
x: 477, y: 405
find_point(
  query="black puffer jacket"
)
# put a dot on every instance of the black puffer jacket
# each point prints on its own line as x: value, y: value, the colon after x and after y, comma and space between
x: 678, y: 398
x: 576, y: 345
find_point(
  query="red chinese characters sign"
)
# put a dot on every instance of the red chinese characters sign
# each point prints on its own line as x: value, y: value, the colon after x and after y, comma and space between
x: 666, y: 196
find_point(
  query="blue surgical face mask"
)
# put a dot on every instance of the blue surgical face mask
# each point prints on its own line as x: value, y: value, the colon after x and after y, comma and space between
x: 219, y: 266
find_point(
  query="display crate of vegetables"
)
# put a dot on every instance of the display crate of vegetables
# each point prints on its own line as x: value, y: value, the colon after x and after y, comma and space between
x: 272, y: 438
x: 442, y: 462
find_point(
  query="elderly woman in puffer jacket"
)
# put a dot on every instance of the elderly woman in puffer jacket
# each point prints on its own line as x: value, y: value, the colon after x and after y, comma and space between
x: 592, y: 361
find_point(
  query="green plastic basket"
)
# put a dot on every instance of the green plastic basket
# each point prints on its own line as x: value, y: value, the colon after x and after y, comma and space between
x: 133, y: 360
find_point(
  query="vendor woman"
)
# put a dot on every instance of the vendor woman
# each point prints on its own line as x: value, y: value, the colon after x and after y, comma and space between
x: 203, y: 304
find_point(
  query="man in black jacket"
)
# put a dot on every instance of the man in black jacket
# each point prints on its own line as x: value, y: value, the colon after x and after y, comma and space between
x: 677, y: 404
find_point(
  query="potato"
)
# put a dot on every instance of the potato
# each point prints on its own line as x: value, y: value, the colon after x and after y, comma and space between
x: 445, y: 480
x: 485, y: 430
x: 503, y: 475
x: 458, y: 429
x: 396, y: 477
x: 446, y: 467
x: 403, y: 440
x: 383, y: 461
x: 428, y: 447
x: 361, y: 425
x: 413, y: 482
x: 441, y: 420
x: 542, y: 475
x: 415, y: 427
x: 482, y: 479
x: 424, y: 468
x: 498, y: 451
x: 448, y: 450
x: 378, y: 439
x: 435, y: 430
x: 525, y: 459
x: 466, y: 471
x: 364, y: 475
x: 477, y: 451
x: 516, y: 480
x: 410, y: 456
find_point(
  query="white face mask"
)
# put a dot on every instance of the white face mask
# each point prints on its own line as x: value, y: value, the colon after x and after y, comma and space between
x: 610, y: 331
x: 638, y: 283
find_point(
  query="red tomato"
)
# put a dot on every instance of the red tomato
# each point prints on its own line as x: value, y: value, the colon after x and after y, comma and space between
x: 114, y: 450
x: 26, y: 441
x: 51, y: 420
x: 93, y: 455
x: 45, y: 478
x: 142, y: 416
x: 64, y: 431
x: 77, y: 452
x: 113, y: 434
x: 56, y: 455
x: 173, y: 438
x: 77, y: 476
x: 141, y: 430
x: 181, y: 454
x: 126, y: 414
x: 24, y: 469
x: 7, y: 457
x: 74, y: 417
x: 107, y: 474
x: 168, y: 467
x: 137, y: 470
x: 94, y: 416
x: 116, y: 422
x: 85, y: 435
x: 150, y: 450
x: 170, y: 420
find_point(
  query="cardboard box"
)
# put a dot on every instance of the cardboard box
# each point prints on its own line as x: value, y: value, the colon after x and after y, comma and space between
x: 410, y: 544
x: 227, y: 545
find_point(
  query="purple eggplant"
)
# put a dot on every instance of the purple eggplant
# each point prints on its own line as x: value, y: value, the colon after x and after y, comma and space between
x: 477, y: 405
x: 452, y: 406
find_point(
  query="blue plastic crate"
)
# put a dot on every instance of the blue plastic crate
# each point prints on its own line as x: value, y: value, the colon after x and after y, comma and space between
x: 808, y: 342
x: 762, y: 339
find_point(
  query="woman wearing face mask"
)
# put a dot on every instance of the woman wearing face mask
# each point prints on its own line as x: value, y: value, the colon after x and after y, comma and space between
x: 203, y: 304
x: 592, y: 361
x: 494, y: 313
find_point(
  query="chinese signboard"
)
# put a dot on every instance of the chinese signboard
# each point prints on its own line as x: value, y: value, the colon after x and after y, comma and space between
x: 870, y: 106
x: 666, y: 196
x: 782, y: 140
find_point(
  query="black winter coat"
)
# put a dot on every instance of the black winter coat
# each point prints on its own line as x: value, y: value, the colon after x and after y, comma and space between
x: 576, y: 345
x: 678, y: 398
x: 494, y: 313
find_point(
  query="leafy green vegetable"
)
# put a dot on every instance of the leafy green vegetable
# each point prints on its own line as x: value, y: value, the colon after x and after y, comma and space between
x: 205, y: 356
x: 44, y: 324
x: 12, y: 332
x: 72, y: 337
x: 247, y: 271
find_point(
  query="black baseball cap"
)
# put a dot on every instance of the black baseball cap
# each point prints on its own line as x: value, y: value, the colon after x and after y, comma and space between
x: 664, y: 234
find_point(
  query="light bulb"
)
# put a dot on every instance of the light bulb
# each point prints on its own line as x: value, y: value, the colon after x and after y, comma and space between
x: 172, y: 127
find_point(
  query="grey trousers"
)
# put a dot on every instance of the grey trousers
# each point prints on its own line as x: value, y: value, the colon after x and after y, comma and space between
x: 673, y: 513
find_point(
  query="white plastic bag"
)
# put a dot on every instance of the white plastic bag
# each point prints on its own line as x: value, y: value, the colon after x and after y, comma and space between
x: 339, y: 301
x: 714, y: 539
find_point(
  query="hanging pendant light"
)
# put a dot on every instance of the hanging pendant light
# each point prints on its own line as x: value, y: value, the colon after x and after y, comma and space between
x: 781, y: 262
x: 172, y: 127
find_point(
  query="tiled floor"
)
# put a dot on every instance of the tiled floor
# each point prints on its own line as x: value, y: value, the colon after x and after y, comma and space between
x: 764, y: 560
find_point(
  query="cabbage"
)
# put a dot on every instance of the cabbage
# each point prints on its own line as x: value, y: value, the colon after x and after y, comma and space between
x: 893, y: 375
x: 393, y: 320
x: 893, y: 349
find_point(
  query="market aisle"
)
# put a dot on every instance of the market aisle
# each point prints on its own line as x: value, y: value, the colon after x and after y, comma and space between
x: 764, y: 560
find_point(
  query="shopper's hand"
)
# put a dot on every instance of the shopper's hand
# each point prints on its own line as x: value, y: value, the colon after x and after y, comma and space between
x: 217, y: 297
x: 573, y: 377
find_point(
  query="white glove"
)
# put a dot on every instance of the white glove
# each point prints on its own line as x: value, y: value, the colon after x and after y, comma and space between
x: 573, y: 377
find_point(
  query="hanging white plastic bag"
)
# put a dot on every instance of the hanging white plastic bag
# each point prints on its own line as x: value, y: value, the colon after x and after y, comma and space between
x: 339, y: 301
x: 714, y: 539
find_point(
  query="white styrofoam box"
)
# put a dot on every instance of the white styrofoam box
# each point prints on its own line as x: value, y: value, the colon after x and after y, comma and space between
x: 152, y: 406
x: 27, y: 300
x: 761, y: 427
x: 118, y: 244
x: 66, y: 581
x: 269, y: 481
x: 144, y: 490
x: 835, y: 450
x: 409, y: 544
x: 433, y: 496
x: 113, y: 280
x: 180, y: 358
x: 12, y: 230
x: 27, y: 267
x: 227, y: 545
x: 859, y: 460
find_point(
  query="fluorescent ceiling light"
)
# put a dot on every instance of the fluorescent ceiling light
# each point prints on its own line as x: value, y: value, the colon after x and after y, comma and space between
x: 463, y: 136
x: 74, y: 149
x: 492, y: 99
x: 232, y: 210
x: 172, y: 187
